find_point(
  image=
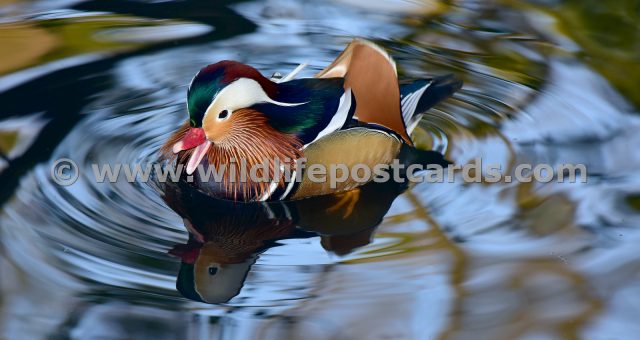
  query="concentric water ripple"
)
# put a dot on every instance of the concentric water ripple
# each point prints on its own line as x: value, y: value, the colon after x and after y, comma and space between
x: 459, y: 259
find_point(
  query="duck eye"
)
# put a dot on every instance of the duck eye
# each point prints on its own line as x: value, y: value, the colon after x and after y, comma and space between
x: 213, y: 270
x: 223, y: 114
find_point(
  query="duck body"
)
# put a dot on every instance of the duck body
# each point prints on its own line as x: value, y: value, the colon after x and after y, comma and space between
x: 352, y: 112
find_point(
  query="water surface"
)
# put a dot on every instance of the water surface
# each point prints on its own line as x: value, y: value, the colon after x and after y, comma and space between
x: 105, y: 81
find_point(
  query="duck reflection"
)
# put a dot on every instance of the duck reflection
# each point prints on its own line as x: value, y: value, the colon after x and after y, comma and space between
x: 226, y: 237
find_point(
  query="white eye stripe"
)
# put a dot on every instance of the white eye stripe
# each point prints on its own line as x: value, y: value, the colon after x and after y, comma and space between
x: 241, y: 93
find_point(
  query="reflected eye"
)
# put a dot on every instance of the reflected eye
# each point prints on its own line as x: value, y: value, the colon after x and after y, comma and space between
x: 224, y: 114
x: 213, y: 270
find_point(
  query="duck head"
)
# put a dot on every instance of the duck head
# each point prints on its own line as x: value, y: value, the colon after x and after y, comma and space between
x: 225, y: 123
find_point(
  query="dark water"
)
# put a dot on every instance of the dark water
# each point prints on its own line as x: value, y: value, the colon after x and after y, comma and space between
x: 105, y: 81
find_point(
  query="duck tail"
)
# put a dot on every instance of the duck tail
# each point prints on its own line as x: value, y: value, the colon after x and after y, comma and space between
x: 421, y: 95
x: 409, y: 155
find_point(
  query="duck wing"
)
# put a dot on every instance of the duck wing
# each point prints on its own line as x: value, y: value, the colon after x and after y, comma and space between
x: 371, y: 75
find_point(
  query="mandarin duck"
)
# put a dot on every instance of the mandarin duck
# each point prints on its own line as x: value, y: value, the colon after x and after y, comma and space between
x: 352, y: 112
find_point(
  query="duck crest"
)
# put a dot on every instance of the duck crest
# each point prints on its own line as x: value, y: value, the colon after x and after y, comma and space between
x: 212, y: 78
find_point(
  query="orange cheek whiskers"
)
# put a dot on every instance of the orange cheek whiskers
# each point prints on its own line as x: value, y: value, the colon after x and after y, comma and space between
x: 245, y: 140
